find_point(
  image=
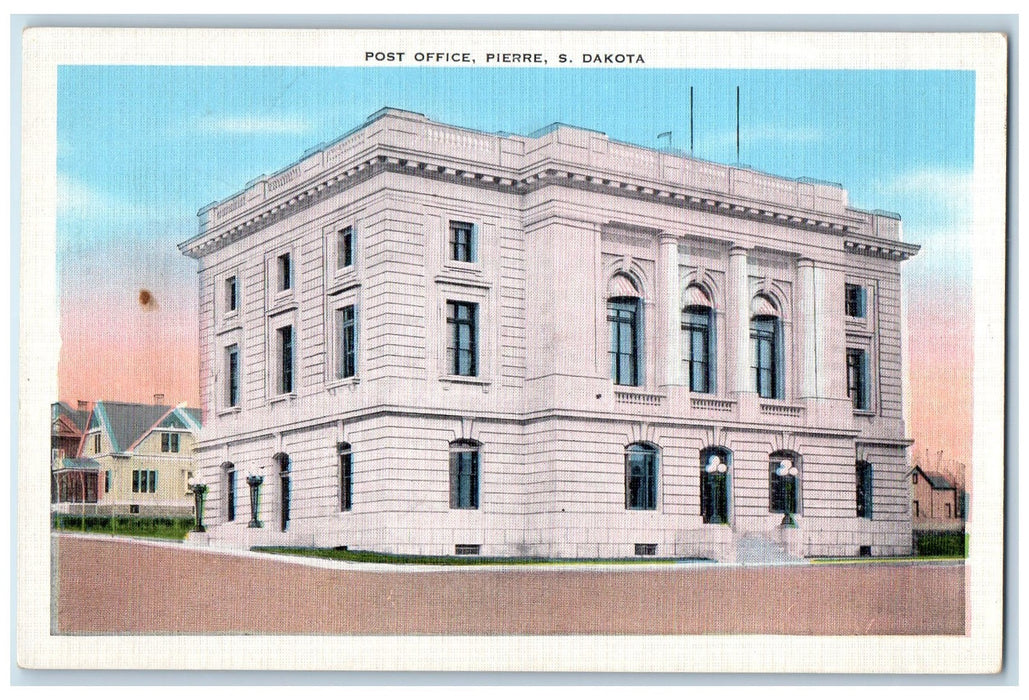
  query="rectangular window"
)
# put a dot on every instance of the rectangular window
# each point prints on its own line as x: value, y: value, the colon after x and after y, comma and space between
x: 641, y: 479
x: 230, y: 495
x: 622, y: 318
x: 144, y: 481
x: 462, y: 338
x: 285, y: 360
x: 855, y: 301
x: 857, y: 378
x: 232, y: 385
x: 464, y: 478
x: 169, y: 442
x: 467, y: 549
x: 345, y: 248
x: 764, y: 336
x: 231, y: 298
x: 948, y: 510
x: 696, y: 340
x: 864, y: 490
x: 107, y: 481
x: 645, y: 550
x: 346, y: 479
x: 285, y: 264
x: 914, y: 508
x: 96, y: 443
x: 346, y: 324
x: 783, y: 477
x: 462, y: 241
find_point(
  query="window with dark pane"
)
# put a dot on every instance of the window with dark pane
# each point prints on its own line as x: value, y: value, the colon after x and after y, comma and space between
x: 696, y: 340
x: 231, y: 292
x: 346, y: 476
x: 855, y: 300
x: 765, y: 351
x: 462, y: 241
x: 863, y: 478
x: 623, y: 320
x: 462, y: 341
x: 641, y: 477
x: 783, y: 475
x: 345, y: 248
x: 346, y: 321
x: 464, y: 475
x: 857, y: 378
x: 232, y: 358
x: 714, y: 485
x: 286, y: 360
x: 285, y: 263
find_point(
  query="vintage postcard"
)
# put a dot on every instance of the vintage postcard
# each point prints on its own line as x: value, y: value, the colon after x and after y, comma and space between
x: 512, y: 350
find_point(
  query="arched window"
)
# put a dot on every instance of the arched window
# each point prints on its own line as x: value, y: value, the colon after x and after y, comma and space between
x: 783, y: 482
x: 283, y: 463
x: 641, y: 476
x: 714, y: 485
x: 346, y: 476
x: 766, y: 348
x: 230, y: 490
x: 863, y: 478
x: 698, y: 340
x: 624, y: 318
x: 464, y: 474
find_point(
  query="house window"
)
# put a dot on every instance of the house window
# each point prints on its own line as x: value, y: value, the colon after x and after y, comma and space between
x: 914, y: 477
x: 346, y: 476
x: 462, y: 241
x: 857, y: 378
x: 285, y: 266
x: 641, y: 477
x: 345, y: 248
x: 96, y: 443
x: 462, y: 344
x: 863, y: 477
x: 107, y: 481
x: 783, y: 477
x: 144, y: 481
x: 855, y: 301
x: 623, y: 321
x: 464, y: 474
x: 285, y: 383
x: 948, y: 511
x: 232, y: 360
x: 231, y: 294
x: 714, y: 485
x: 914, y: 508
x: 283, y: 462
x: 696, y: 342
x: 169, y: 442
x: 230, y: 492
x: 766, y: 348
x: 346, y: 360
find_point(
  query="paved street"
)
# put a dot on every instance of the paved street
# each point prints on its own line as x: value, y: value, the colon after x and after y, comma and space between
x: 119, y: 586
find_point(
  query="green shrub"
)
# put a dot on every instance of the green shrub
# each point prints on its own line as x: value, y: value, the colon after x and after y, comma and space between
x: 941, y: 544
x: 162, y: 527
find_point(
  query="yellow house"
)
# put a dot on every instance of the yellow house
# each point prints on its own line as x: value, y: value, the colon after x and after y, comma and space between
x: 142, y: 456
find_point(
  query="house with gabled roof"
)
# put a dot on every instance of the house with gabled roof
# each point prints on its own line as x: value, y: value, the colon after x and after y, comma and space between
x: 936, y: 503
x: 130, y: 458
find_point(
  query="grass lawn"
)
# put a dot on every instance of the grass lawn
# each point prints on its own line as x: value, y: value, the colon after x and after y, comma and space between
x: 445, y: 560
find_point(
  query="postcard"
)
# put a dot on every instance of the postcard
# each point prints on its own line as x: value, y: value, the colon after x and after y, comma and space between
x: 512, y: 350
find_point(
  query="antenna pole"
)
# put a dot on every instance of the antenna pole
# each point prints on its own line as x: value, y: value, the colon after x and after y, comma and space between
x: 691, y: 120
x: 737, y: 124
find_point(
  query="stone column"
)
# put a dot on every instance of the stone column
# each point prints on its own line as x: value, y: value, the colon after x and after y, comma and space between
x: 806, y: 327
x: 668, y: 309
x: 737, y: 316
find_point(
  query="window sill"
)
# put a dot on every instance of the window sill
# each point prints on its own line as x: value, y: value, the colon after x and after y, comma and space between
x: 228, y: 411
x: 866, y: 412
x: 279, y: 398
x: 458, y: 278
x: 230, y: 325
x: 459, y: 379
x: 346, y: 382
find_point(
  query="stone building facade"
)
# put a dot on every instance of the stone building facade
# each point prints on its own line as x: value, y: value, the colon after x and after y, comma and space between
x: 427, y: 339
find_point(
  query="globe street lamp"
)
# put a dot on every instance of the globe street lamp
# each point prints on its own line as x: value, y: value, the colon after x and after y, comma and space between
x: 199, y: 491
x: 255, y: 477
x: 790, y: 472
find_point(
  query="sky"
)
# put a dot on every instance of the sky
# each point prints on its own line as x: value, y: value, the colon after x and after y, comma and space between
x: 141, y: 148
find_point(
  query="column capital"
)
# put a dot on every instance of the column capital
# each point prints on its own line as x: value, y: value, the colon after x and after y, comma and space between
x: 805, y: 262
x: 666, y: 237
x: 735, y: 250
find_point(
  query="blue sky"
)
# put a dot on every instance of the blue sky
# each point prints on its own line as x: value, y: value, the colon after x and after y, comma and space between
x: 142, y: 148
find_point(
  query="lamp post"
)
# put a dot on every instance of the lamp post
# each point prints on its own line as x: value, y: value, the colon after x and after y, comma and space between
x: 199, y: 491
x: 788, y: 469
x: 255, y: 478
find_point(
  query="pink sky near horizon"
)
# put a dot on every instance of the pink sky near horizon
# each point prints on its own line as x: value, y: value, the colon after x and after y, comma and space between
x: 129, y: 354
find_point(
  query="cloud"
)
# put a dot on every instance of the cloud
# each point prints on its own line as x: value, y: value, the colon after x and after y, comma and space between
x: 76, y: 199
x: 942, y: 198
x: 255, y: 124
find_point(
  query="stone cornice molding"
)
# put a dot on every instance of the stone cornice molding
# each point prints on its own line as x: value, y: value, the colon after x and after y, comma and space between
x: 251, y: 219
